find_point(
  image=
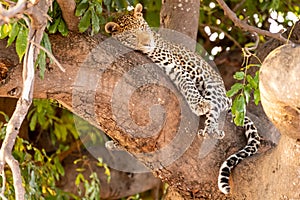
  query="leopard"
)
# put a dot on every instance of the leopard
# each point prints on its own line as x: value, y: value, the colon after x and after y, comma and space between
x: 200, y: 84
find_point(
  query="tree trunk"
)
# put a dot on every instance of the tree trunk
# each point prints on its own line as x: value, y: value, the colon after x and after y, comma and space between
x: 280, y: 86
x: 181, y: 16
x: 120, y: 92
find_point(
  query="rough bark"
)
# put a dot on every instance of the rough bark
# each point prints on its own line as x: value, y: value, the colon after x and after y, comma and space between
x: 194, y: 173
x: 188, y: 13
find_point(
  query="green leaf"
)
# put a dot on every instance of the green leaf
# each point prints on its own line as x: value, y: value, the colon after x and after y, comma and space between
x: 60, y: 132
x: 252, y: 82
x: 33, y: 122
x: 62, y: 28
x: 256, y: 95
x: 121, y: 4
x: 4, y: 30
x: 85, y: 22
x: 239, y: 75
x: 81, y: 8
x: 95, y: 23
x: 238, y: 110
x: 247, y: 92
x: 53, y: 27
x: 239, y: 119
x: 6, y: 117
x: 38, y: 156
x: 41, y: 63
x: 256, y: 77
x: 98, y: 7
x: 79, y: 178
x: 107, y: 2
x: 21, y: 42
x: 13, y: 33
x: 239, y: 104
x: 234, y: 89
x: 60, y: 168
x: 275, y: 4
x: 46, y: 42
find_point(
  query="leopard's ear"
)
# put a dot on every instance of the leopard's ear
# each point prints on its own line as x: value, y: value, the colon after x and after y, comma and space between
x: 111, y: 27
x: 138, y: 10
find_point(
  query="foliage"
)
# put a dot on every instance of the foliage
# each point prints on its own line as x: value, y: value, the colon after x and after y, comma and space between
x: 91, y: 15
x: 244, y: 90
x: 92, y: 186
x: 44, y: 115
x: 57, y: 24
x: 152, y: 12
x: 17, y: 32
x: 39, y: 171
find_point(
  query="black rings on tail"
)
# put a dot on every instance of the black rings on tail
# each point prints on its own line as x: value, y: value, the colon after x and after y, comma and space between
x: 253, y: 142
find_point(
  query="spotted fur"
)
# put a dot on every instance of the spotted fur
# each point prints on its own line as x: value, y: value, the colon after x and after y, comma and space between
x: 253, y: 142
x: 201, y: 85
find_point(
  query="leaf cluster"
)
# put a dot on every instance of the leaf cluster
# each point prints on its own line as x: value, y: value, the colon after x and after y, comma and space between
x: 243, y: 92
x: 39, y: 171
x: 91, y: 15
x: 58, y: 23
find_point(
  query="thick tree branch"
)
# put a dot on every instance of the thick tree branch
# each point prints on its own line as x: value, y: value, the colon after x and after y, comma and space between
x: 244, y: 26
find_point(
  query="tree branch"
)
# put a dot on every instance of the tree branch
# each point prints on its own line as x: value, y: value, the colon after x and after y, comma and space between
x: 5, y: 15
x: 36, y: 26
x: 15, y: 123
x: 50, y: 55
x: 244, y: 26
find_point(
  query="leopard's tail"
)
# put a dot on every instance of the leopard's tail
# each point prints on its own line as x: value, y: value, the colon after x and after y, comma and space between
x: 253, y: 142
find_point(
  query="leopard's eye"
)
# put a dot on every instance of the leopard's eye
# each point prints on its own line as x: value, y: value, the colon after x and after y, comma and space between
x: 138, y: 14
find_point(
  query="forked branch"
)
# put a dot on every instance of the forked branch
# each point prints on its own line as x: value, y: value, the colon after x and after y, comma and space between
x: 244, y: 26
x: 36, y: 26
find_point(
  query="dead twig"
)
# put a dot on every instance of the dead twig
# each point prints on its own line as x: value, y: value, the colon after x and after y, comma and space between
x: 51, y: 56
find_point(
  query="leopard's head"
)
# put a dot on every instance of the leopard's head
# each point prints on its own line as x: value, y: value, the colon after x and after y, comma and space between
x: 132, y: 30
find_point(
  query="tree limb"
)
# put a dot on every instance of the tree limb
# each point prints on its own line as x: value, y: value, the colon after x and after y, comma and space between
x: 36, y: 26
x: 15, y: 123
x: 5, y: 15
x: 244, y: 26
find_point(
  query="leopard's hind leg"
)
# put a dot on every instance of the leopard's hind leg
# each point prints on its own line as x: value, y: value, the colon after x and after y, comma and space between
x: 218, y: 103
